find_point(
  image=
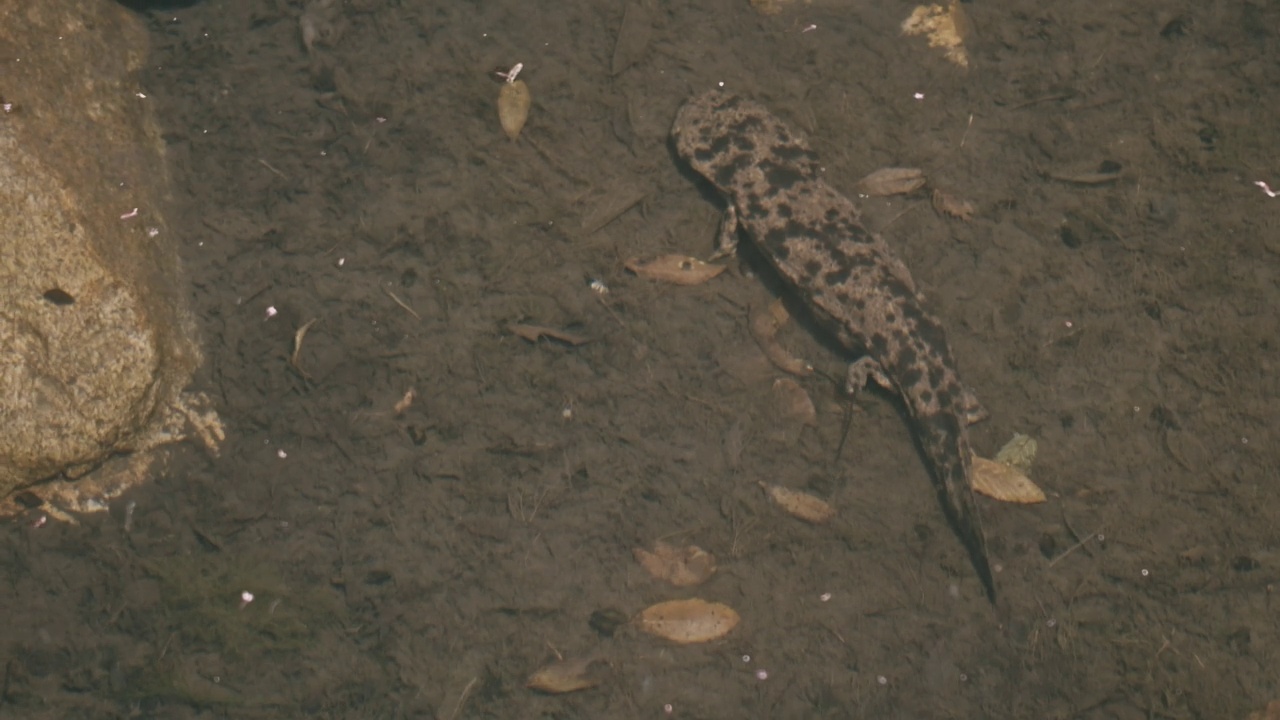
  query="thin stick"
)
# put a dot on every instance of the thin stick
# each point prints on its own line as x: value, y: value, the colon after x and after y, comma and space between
x: 297, y: 346
x: 966, y: 130
x: 466, y: 691
x: 1075, y: 547
x: 402, y: 303
x: 270, y: 167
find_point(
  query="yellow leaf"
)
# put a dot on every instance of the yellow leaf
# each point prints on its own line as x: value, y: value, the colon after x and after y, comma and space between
x: 688, y: 621
x: 1004, y: 482
x: 563, y: 676
x: 800, y: 504
x: 676, y: 269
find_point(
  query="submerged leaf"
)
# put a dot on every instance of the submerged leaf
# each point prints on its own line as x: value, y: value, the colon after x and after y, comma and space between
x: 800, y: 504
x: 688, y: 621
x: 676, y: 269
x: 682, y: 567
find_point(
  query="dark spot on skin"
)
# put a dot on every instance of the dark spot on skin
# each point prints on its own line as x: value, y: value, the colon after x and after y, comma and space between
x: 944, y: 397
x: 895, y: 287
x: 775, y: 241
x: 936, y: 376
x: 908, y: 375
x: 744, y: 144
x: 906, y: 357
x: 812, y: 267
x: 858, y: 261
x: 795, y: 153
x: 781, y: 176
x: 837, y: 277
x: 784, y: 211
x: 855, y: 232
x: 928, y: 330
x: 727, y: 172
x: 59, y: 297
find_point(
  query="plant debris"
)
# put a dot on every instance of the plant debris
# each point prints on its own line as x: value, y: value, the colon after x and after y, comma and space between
x: 800, y: 504
x: 688, y: 621
x: 679, y: 566
x: 675, y: 269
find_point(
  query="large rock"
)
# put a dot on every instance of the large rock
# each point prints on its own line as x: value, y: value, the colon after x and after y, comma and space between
x: 96, y: 343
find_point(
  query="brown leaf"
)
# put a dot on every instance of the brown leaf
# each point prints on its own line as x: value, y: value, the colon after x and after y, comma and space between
x: 764, y: 328
x: 793, y: 402
x: 688, y: 621
x: 676, y: 269
x: 891, y: 181
x: 953, y: 207
x: 682, y: 567
x: 405, y: 401
x: 563, y: 677
x: 800, y: 504
x: 1004, y: 482
x: 513, y: 107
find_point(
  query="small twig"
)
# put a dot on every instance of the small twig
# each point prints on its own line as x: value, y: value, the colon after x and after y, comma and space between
x: 1075, y: 547
x: 966, y: 130
x: 270, y: 167
x: 297, y: 347
x: 402, y: 304
x: 466, y: 692
x: 897, y: 217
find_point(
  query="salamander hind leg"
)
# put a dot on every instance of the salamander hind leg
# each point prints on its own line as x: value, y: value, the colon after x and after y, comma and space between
x: 861, y: 370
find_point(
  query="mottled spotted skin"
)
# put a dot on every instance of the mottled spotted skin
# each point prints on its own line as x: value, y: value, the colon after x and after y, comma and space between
x: 854, y: 284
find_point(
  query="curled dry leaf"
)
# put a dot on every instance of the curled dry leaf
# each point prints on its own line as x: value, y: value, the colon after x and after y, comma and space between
x: 952, y: 206
x: 891, y: 181
x: 1004, y: 483
x: 513, y: 107
x: 682, y: 567
x: 688, y: 621
x: 800, y: 504
x: 563, y: 677
x: 676, y: 269
x: 405, y: 401
x: 764, y: 328
x: 298, y: 337
x: 793, y: 402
